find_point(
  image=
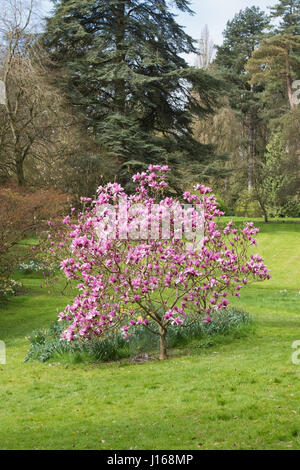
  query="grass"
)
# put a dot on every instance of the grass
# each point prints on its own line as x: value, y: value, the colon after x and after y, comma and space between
x: 237, y: 393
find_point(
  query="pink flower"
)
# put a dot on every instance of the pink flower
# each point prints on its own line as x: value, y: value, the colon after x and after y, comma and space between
x: 207, y: 320
x: 120, y: 276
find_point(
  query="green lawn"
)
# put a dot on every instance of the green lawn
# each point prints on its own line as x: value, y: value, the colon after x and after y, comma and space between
x: 238, y: 395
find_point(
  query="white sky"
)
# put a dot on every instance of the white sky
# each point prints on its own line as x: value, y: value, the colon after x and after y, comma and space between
x: 214, y: 13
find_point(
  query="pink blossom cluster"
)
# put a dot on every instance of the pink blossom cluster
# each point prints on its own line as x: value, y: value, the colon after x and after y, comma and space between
x: 152, y: 282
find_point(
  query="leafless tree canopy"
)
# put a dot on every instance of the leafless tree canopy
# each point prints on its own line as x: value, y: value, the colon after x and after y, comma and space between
x: 206, y: 50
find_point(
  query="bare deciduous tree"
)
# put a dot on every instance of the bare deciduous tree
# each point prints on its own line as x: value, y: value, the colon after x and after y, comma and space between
x: 206, y: 50
x: 33, y: 119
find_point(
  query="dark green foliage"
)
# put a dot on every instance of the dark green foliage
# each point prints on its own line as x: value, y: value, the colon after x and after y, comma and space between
x: 289, y: 12
x: 241, y: 37
x: 119, y: 62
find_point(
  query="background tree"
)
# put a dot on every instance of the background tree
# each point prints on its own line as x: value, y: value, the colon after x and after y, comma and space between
x: 14, y: 54
x: 225, y: 131
x: 205, y: 50
x: 121, y: 66
x: 22, y: 213
x: 276, y: 62
x: 42, y: 139
x: 289, y: 13
x: 241, y: 37
x: 276, y: 181
x: 31, y: 117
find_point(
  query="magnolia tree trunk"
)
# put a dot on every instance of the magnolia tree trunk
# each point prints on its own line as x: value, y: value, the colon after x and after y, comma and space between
x: 163, y: 344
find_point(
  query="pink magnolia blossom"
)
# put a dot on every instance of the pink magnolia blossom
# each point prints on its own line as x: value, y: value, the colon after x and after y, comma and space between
x: 155, y: 281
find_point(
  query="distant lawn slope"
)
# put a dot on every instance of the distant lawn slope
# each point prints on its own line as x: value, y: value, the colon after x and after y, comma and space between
x: 242, y: 394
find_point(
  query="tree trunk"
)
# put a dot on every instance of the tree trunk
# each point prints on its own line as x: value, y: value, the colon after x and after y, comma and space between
x: 261, y: 202
x: 163, y: 344
x: 120, y: 85
x: 251, y: 155
x: 265, y: 216
x: 251, y: 148
x: 20, y: 172
x: 289, y: 82
x: 261, y: 196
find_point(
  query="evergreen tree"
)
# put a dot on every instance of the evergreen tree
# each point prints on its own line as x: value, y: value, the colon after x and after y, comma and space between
x: 241, y: 37
x: 121, y: 65
x: 275, y: 183
x: 289, y: 12
x: 277, y: 63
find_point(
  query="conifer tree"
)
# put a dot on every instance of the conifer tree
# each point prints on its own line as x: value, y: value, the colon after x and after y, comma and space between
x: 276, y: 182
x: 277, y: 61
x: 121, y: 65
x: 289, y: 12
x: 241, y: 37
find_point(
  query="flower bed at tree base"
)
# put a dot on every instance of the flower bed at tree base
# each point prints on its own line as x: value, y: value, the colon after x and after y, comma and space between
x: 47, y: 344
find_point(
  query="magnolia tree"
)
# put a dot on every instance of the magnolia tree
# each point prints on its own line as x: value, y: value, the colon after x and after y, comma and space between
x: 147, y: 260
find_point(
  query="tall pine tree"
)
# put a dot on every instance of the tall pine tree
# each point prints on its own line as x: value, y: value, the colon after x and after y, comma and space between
x: 276, y: 63
x: 241, y: 37
x: 289, y: 13
x: 120, y: 63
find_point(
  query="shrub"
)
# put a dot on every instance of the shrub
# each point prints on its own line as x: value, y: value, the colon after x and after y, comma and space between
x: 23, y: 211
x: 38, y: 266
x: 8, y: 287
x: 247, y: 205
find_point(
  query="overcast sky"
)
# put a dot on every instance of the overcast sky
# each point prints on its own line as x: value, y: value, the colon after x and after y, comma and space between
x: 214, y: 13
